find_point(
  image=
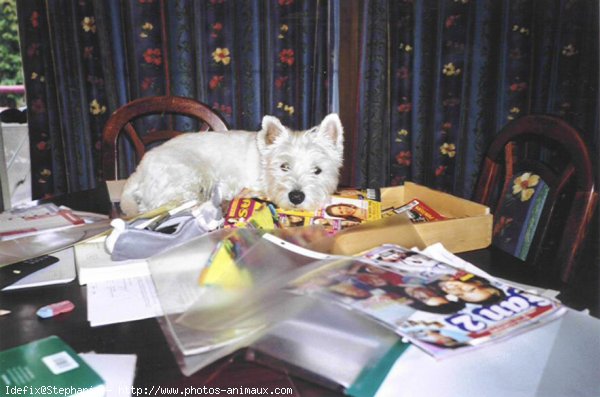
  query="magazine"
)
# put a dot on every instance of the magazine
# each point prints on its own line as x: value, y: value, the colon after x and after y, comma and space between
x: 416, y: 210
x: 296, y: 217
x: 352, y: 207
x: 252, y: 213
x: 35, y: 220
x: 439, y: 308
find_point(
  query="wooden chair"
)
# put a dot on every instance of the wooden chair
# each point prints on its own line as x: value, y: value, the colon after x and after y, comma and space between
x: 538, y: 180
x: 124, y: 118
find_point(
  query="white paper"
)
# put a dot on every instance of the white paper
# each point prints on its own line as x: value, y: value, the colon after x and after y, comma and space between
x: 117, y: 301
x: 439, y: 252
x: 117, y: 370
x: 115, y: 189
x: 532, y: 364
x: 94, y: 264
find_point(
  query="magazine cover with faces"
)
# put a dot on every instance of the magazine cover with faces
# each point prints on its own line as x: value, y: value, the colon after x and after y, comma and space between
x: 439, y: 308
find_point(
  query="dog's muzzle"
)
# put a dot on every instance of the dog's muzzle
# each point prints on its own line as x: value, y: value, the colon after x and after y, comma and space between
x: 296, y: 197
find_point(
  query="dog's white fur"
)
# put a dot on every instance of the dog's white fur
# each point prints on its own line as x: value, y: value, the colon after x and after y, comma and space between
x: 294, y: 169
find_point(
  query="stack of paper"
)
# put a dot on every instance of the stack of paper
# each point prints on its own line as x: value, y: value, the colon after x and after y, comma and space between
x: 117, y: 370
x: 95, y: 264
x: 122, y: 300
x: 34, y: 220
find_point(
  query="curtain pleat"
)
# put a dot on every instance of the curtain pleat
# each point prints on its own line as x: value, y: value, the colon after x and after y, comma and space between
x: 421, y: 71
x: 373, y: 117
x: 477, y: 122
x: 45, y: 147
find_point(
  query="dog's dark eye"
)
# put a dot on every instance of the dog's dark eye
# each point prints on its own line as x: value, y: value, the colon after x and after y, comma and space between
x: 317, y: 171
x: 285, y: 167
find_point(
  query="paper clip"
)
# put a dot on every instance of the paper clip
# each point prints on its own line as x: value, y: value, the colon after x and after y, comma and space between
x: 55, y: 309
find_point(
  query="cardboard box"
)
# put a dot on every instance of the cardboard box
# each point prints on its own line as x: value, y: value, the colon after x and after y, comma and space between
x: 468, y: 227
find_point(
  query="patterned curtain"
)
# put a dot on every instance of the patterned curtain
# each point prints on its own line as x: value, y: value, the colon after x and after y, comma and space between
x: 245, y: 58
x: 440, y: 78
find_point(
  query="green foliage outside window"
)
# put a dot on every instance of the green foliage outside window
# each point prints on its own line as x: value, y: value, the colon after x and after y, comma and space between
x: 11, y: 72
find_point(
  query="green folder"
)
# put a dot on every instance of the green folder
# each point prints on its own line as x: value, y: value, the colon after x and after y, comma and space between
x: 369, y: 380
x: 48, y: 367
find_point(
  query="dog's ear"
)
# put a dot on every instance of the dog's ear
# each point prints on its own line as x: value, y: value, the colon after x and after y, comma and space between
x: 271, y: 130
x: 331, y: 129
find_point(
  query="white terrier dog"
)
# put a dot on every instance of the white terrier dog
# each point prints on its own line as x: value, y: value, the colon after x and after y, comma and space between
x: 294, y: 169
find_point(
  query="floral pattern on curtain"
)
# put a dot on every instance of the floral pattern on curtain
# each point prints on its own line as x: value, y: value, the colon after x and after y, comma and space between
x: 65, y: 92
x: 437, y: 78
x: 442, y: 77
x: 244, y: 58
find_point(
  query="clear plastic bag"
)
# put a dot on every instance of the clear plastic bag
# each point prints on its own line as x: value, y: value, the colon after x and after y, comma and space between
x: 205, y: 321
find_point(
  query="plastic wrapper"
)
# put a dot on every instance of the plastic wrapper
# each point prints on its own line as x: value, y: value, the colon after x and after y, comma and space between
x: 335, y: 348
x: 203, y: 321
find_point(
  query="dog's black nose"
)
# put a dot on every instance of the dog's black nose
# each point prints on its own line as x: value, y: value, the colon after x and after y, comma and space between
x: 296, y: 196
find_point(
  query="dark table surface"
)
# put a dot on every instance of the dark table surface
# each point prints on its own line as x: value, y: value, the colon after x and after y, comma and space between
x: 155, y: 363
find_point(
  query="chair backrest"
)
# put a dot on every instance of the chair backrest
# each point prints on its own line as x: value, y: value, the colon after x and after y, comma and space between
x: 537, y: 178
x: 122, y: 120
